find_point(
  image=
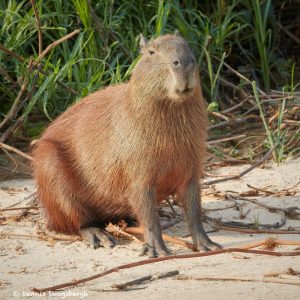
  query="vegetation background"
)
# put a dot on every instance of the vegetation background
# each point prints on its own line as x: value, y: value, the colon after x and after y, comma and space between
x: 248, y: 54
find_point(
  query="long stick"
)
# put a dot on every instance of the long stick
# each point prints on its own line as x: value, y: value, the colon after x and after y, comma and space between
x: 238, y: 278
x: 159, y: 259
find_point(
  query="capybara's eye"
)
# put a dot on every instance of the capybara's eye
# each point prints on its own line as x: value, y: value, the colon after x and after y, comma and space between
x: 151, y: 52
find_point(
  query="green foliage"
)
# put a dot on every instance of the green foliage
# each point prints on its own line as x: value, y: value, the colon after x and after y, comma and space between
x: 106, y: 49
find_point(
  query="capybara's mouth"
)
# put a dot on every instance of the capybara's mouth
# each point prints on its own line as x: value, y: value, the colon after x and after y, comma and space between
x: 184, y: 92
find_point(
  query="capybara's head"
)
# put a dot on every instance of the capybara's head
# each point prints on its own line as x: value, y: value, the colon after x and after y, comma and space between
x: 166, y: 69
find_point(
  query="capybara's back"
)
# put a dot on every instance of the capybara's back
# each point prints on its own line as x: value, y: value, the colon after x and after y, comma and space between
x: 122, y: 150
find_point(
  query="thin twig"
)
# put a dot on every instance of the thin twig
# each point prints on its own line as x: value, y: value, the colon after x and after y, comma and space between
x: 18, y: 57
x: 267, y: 155
x: 287, y: 32
x: 9, y: 171
x: 98, y: 24
x: 6, y: 74
x: 238, y: 278
x: 256, y: 231
x: 11, y: 128
x: 38, y: 22
x: 100, y: 29
x: 56, y: 43
x: 234, y: 224
x: 219, y: 115
x: 19, y: 152
x: 18, y: 208
x: 40, y: 237
x: 14, y: 107
x: 290, y: 211
x: 242, y: 77
x: 227, y: 139
x: 261, y: 190
x: 26, y: 198
x: 159, y: 259
x: 235, y: 122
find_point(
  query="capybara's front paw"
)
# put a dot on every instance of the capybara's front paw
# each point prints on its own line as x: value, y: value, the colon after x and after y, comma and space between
x: 208, y: 246
x: 153, y: 252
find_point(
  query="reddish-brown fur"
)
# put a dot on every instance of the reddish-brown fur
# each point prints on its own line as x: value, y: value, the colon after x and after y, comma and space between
x: 95, y: 161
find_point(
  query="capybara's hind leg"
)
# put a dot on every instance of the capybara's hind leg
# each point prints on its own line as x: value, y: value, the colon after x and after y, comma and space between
x: 54, y: 186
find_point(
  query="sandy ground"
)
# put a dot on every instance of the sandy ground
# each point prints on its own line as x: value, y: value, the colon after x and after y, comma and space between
x: 27, y: 263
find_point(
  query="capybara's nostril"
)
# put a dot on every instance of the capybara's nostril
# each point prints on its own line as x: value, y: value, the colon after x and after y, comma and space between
x: 175, y: 63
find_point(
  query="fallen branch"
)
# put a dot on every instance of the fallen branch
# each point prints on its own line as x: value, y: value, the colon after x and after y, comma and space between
x: 238, y: 278
x: 125, y: 285
x: 159, y: 259
x: 288, y: 212
x: 234, y: 224
x: 267, y: 155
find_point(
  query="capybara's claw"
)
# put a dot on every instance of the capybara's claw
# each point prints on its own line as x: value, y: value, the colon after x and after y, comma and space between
x: 153, y: 252
x: 208, y: 246
x: 97, y: 237
x: 148, y: 250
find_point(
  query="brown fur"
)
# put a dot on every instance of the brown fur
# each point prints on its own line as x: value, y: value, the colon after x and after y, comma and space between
x: 96, y: 160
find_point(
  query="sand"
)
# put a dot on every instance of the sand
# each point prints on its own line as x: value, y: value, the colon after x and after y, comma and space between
x: 27, y: 262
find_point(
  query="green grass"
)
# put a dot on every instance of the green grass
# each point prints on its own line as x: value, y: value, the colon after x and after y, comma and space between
x: 242, y: 33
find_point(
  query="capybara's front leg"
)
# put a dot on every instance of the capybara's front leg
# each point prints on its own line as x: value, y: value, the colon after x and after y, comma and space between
x: 145, y: 206
x: 192, y: 207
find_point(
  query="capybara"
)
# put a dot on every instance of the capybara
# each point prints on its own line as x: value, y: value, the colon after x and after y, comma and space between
x: 119, y: 152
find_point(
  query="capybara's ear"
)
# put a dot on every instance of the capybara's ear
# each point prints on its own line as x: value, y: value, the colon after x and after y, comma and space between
x: 143, y: 42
